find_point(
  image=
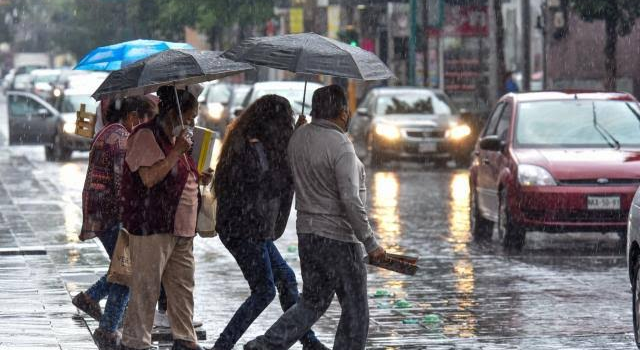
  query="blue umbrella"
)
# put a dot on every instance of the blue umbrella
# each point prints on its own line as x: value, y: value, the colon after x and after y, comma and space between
x: 114, y: 57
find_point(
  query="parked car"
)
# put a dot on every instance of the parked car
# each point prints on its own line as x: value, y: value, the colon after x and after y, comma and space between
x: 7, y: 81
x: 556, y: 162
x: 408, y: 123
x: 291, y: 90
x: 633, y: 262
x: 33, y: 121
x: 234, y: 107
x: 212, y: 102
x: 43, y: 80
x: 22, y: 82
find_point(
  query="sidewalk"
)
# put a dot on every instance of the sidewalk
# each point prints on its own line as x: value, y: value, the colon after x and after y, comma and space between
x: 36, y: 310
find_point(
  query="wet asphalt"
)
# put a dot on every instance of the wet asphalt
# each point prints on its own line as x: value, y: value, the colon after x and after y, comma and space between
x: 564, y: 291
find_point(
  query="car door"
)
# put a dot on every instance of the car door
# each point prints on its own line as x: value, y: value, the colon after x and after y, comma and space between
x: 360, y: 122
x: 495, y: 161
x: 485, y: 179
x: 31, y: 121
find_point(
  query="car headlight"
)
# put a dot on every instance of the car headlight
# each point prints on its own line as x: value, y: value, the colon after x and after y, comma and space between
x: 388, y: 132
x: 532, y: 175
x: 69, y: 127
x: 215, y: 110
x: 458, y: 132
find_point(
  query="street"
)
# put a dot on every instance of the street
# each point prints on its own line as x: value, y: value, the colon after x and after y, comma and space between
x: 566, y: 291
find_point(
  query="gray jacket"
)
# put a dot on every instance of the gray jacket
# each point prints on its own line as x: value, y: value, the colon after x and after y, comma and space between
x: 330, y: 185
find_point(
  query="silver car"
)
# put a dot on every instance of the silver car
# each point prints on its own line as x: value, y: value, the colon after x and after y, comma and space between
x: 633, y: 261
x: 408, y: 123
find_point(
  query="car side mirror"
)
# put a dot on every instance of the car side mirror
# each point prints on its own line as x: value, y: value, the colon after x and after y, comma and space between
x: 492, y: 143
x: 363, y: 112
x: 43, y: 112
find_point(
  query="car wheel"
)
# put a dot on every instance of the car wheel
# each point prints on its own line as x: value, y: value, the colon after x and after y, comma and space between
x: 635, y: 286
x: 58, y: 151
x: 513, y: 237
x: 481, y: 228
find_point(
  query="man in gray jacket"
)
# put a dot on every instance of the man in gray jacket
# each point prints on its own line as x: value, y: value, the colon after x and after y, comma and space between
x: 332, y: 226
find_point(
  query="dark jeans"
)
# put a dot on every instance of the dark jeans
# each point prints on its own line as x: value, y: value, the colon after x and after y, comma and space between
x: 328, y: 267
x: 117, y: 295
x: 265, y: 270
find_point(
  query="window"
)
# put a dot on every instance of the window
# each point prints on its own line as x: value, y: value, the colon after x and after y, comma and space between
x: 21, y: 106
x: 493, y: 121
x: 503, y: 123
x: 218, y: 93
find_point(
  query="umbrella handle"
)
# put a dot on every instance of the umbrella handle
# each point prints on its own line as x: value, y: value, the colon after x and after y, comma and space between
x: 175, y: 92
x: 304, y: 95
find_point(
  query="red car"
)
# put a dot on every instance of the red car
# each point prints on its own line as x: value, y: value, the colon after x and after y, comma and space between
x: 556, y: 162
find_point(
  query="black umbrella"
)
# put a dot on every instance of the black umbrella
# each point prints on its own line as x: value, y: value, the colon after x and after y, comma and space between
x: 170, y: 67
x: 310, y: 53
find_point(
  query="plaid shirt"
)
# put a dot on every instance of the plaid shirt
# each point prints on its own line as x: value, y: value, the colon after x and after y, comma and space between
x: 100, y: 208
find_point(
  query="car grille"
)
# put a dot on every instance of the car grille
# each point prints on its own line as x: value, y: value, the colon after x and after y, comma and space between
x: 598, y: 182
x: 425, y: 134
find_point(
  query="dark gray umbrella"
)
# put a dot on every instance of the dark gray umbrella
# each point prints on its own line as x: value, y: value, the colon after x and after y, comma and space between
x: 310, y: 53
x: 170, y: 67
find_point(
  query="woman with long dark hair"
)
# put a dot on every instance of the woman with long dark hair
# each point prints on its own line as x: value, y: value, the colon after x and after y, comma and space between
x: 160, y: 207
x: 101, y: 210
x: 254, y: 188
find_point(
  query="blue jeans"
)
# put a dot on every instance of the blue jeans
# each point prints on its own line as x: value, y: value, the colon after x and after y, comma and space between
x: 118, y: 295
x: 265, y: 270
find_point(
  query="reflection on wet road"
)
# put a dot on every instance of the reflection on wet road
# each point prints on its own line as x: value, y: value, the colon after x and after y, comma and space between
x: 561, y: 292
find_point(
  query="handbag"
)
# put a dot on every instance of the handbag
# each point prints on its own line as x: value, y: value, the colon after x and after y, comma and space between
x: 206, y: 224
x: 120, y: 269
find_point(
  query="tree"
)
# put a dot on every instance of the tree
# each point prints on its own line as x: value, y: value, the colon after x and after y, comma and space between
x: 619, y: 17
x: 499, y: 37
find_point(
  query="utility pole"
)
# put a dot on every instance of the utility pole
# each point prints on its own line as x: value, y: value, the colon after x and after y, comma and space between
x: 425, y: 44
x: 412, y: 42
x: 526, y: 45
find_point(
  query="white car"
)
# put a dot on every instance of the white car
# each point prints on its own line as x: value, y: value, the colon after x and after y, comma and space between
x: 633, y: 261
x: 291, y: 90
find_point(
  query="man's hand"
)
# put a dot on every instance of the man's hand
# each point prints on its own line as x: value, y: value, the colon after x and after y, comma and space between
x: 378, y: 254
x: 302, y: 120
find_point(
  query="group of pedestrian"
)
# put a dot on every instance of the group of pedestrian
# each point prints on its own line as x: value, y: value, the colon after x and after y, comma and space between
x: 142, y: 178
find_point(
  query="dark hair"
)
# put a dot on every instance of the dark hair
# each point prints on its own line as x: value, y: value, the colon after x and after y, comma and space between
x: 270, y: 120
x: 119, y: 108
x: 168, y: 100
x: 328, y: 102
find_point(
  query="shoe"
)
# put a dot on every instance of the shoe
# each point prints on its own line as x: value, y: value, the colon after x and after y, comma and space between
x: 122, y: 347
x: 256, y: 344
x: 182, y: 345
x: 315, y: 346
x: 87, y: 305
x: 161, y: 320
x: 106, y: 340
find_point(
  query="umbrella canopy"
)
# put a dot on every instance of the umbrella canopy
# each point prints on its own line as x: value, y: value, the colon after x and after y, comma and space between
x: 114, y: 57
x: 170, y: 67
x: 310, y: 53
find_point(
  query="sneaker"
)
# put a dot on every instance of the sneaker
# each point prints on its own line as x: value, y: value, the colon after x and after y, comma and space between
x: 315, y: 346
x: 106, y: 340
x: 87, y: 305
x: 161, y: 320
x: 182, y: 345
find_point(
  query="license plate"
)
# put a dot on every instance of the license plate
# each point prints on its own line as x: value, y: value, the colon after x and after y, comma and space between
x: 603, y: 203
x: 427, y: 147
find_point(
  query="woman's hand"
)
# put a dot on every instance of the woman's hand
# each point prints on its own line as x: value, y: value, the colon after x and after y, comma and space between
x: 183, y: 143
x: 206, y: 177
x: 302, y: 120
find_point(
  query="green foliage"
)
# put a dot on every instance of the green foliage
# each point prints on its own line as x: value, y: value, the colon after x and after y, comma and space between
x: 622, y: 12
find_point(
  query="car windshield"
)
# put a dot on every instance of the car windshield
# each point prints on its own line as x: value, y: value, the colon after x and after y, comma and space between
x: 45, y: 78
x: 293, y: 94
x: 218, y: 93
x: 425, y: 102
x: 71, y: 103
x: 239, y: 94
x: 578, y: 124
